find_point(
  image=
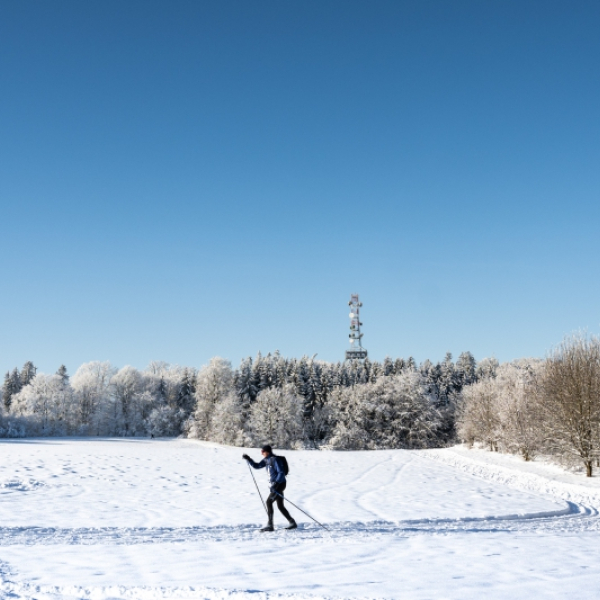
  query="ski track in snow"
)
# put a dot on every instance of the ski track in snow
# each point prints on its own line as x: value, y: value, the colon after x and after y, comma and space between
x: 580, y: 514
x: 573, y: 519
x: 19, y: 485
x: 583, y: 501
x: 12, y: 590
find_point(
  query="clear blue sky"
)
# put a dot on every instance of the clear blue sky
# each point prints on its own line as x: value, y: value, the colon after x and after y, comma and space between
x: 184, y: 179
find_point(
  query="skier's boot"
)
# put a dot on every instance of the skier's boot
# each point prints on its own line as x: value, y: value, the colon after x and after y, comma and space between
x: 292, y: 525
x: 268, y: 527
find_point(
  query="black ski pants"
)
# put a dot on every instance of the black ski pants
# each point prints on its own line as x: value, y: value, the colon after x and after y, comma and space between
x: 275, y: 496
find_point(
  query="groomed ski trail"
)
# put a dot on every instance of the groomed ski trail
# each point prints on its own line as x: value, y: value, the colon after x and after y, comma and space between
x: 580, y: 514
x: 574, y: 518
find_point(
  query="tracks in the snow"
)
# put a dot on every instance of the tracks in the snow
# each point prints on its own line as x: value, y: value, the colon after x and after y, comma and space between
x: 572, y: 519
x: 579, y: 514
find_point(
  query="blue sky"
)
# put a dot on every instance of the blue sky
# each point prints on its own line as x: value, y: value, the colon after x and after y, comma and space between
x: 180, y: 180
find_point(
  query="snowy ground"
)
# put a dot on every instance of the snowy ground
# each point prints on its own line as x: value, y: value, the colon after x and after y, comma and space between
x: 178, y: 519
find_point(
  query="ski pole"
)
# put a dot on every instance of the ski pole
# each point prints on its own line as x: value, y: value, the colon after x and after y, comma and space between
x: 302, y: 511
x: 257, y: 489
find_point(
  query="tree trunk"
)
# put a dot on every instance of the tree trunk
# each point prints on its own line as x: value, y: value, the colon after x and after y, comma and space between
x: 588, y: 468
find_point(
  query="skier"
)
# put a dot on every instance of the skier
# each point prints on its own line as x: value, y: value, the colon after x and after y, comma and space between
x: 277, y: 483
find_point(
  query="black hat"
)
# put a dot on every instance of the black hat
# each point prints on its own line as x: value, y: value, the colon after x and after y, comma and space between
x: 267, y: 448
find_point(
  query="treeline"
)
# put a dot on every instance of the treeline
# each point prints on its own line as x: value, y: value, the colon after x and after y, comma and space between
x: 537, y: 407
x: 288, y: 402
x: 528, y: 407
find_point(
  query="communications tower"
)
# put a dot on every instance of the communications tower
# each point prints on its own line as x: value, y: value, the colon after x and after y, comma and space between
x: 356, y: 351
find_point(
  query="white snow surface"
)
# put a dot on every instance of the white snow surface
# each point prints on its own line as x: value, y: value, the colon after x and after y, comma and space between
x: 154, y: 519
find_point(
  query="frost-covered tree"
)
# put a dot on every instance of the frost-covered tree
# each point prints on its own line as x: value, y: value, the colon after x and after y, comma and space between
x: 531, y: 406
x: 62, y: 373
x: 571, y: 399
x: 367, y: 366
x: 276, y: 417
x: 160, y: 390
x: 244, y: 384
x: 157, y: 367
x: 172, y: 387
x: 127, y: 414
x: 255, y: 376
x: 46, y: 405
x: 346, y: 432
x: 520, y: 430
x: 15, y: 381
x: 448, y: 383
x: 171, y: 384
x: 399, y: 366
x: 466, y: 369
x: 376, y: 371
x: 431, y: 375
x: 7, y: 392
x: 302, y: 383
x: 487, y: 368
x: 213, y: 383
x: 392, y: 412
x: 388, y: 366
x: 316, y: 413
x: 478, y: 418
x: 164, y: 421
x: 166, y: 400
x: 27, y: 373
x: 228, y: 423
x: 92, y: 399
x: 185, y: 396
x: 280, y: 370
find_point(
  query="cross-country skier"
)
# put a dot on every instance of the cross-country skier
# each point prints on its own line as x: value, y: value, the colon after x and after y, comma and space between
x: 277, y: 483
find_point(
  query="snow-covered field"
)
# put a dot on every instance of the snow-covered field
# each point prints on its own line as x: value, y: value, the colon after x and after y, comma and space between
x: 178, y: 519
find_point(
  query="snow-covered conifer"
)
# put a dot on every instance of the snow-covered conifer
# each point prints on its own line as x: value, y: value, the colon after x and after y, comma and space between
x: 7, y: 392
x: 15, y: 381
x: 367, y: 366
x: 487, y: 368
x: 27, y: 373
x: 448, y: 383
x: 243, y: 383
x: 376, y: 370
x: 187, y: 388
x: 466, y: 368
x: 62, y: 373
x: 281, y: 370
x: 399, y: 366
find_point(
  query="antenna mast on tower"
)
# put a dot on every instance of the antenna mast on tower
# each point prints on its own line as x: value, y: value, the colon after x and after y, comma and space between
x: 356, y: 351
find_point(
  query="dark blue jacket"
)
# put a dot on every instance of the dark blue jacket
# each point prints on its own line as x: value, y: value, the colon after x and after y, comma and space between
x: 276, y: 474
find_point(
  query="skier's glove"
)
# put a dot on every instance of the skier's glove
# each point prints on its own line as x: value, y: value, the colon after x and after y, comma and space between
x: 245, y: 457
